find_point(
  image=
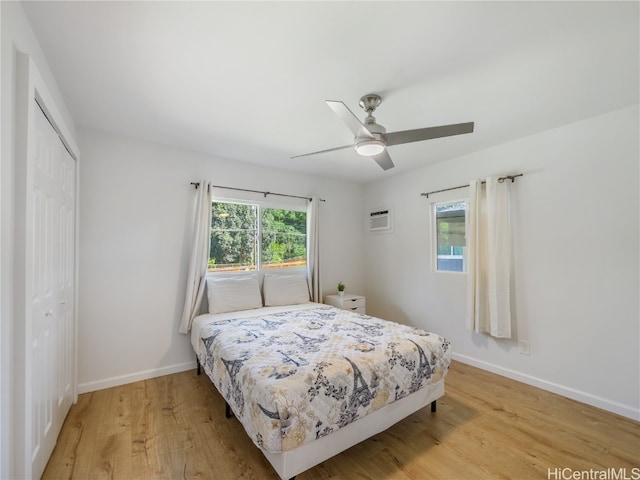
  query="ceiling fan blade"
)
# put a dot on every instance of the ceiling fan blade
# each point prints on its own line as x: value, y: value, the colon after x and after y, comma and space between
x: 384, y: 160
x: 324, y: 151
x: 349, y: 118
x: 419, y: 134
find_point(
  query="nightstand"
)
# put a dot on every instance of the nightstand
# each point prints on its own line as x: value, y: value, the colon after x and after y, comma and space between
x: 355, y: 303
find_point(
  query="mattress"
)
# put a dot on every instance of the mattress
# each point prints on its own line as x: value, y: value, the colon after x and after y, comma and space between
x: 295, y: 374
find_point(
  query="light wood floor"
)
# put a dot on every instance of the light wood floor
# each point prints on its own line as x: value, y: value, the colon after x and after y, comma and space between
x: 486, y: 427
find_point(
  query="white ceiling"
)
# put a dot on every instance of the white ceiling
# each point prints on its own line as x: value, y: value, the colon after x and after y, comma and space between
x: 248, y: 80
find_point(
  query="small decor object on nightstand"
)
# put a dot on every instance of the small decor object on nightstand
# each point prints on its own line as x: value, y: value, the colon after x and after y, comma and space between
x: 340, y: 288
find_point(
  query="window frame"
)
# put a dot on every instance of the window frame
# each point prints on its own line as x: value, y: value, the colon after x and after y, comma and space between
x: 260, y: 206
x: 434, y: 234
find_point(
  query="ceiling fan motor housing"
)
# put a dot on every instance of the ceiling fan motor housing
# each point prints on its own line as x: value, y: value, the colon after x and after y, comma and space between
x: 364, y: 144
x: 375, y: 129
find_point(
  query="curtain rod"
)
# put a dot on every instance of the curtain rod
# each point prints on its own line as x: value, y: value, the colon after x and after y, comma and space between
x: 197, y: 184
x: 500, y: 180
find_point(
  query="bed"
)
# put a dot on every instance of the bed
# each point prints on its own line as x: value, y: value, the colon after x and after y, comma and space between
x: 307, y: 380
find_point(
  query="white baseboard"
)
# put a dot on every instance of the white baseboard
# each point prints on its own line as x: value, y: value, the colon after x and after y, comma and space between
x: 584, y: 397
x: 134, y: 377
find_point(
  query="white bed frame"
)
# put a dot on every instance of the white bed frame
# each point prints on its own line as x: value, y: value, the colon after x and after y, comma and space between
x: 291, y: 463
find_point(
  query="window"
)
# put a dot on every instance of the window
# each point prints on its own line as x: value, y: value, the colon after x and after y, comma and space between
x: 234, y: 230
x: 248, y: 236
x: 284, y: 238
x: 450, y: 243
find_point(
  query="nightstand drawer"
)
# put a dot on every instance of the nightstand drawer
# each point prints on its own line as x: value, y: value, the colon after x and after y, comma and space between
x: 352, y: 303
x: 355, y: 309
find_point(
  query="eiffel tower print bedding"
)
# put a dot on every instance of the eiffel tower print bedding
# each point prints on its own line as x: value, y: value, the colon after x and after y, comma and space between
x: 292, y: 375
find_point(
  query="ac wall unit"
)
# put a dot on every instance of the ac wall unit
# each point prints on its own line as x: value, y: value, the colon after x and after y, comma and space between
x: 381, y: 220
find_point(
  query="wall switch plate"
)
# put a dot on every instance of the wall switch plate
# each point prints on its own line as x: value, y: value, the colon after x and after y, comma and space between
x: 525, y: 348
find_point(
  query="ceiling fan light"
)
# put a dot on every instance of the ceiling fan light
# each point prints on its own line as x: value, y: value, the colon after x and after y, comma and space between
x: 370, y: 147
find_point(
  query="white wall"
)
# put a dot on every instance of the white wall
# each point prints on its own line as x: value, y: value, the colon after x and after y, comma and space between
x: 16, y: 36
x: 135, y: 228
x: 576, y: 262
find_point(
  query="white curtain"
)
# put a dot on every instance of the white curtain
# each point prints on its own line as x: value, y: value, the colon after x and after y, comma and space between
x: 197, y: 276
x: 313, y: 249
x: 489, y: 258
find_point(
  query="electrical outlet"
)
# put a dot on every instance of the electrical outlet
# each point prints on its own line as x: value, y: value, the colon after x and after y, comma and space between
x: 525, y: 348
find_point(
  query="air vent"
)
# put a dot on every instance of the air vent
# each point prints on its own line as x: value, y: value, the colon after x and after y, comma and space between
x: 380, y: 220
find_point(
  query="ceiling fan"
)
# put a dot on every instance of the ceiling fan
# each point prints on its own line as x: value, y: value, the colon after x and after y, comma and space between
x: 371, y: 139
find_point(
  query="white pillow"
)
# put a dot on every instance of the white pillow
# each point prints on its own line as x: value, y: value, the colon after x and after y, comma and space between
x: 285, y: 289
x: 229, y: 294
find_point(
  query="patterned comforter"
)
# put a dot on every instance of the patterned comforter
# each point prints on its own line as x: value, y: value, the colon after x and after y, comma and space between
x: 294, y: 376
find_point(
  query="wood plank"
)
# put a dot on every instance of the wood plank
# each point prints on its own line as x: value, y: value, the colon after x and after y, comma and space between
x: 486, y: 426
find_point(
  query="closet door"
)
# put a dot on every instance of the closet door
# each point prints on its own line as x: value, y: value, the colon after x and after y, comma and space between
x: 65, y: 273
x: 51, y: 248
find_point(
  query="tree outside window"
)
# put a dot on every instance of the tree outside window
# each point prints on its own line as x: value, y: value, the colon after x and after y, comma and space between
x: 236, y: 230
